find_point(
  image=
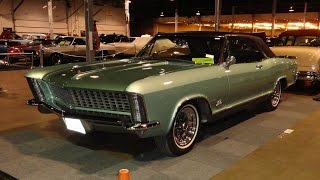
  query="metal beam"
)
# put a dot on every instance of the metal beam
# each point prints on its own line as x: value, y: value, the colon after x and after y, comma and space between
x: 75, y: 10
x: 99, y: 10
x: 16, y: 8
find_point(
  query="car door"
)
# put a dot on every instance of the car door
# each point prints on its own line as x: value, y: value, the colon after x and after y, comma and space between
x: 80, y: 47
x: 244, y: 76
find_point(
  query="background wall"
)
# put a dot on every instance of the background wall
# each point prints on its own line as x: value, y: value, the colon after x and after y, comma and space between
x: 32, y: 17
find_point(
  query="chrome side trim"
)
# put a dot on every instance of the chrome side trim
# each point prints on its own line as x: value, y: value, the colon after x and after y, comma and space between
x: 34, y: 102
x: 143, y: 126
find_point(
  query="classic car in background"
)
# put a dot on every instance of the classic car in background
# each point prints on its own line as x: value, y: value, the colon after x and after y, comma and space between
x: 176, y: 82
x: 123, y: 49
x: 66, y: 48
x: 34, y: 36
x: 304, y: 45
x: 16, y: 52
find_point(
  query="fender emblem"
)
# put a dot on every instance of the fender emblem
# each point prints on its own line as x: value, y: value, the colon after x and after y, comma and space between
x: 219, y: 102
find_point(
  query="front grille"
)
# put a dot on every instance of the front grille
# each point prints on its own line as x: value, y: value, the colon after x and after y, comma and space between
x: 112, y: 101
x: 92, y: 102
x: 61, y: 93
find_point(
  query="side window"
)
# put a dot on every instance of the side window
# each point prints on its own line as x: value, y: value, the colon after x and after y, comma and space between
x: 244, y: 50
x: 79, y: 42
x: 290, y: 41
x: 281, y: 41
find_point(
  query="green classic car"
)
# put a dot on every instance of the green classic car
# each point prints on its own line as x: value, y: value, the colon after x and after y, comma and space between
x: 176, y: 82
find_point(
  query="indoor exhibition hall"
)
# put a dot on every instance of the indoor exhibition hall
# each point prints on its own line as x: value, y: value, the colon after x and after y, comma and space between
x: 159, y: 89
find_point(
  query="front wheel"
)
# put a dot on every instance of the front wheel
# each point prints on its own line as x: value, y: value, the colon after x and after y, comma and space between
x: 274, y: 99
x: 183, y: 132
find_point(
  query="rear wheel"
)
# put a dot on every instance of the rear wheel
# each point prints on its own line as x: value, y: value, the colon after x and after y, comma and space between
x: 56, y: 59
x: 274, y: 99
x: 183, y: 132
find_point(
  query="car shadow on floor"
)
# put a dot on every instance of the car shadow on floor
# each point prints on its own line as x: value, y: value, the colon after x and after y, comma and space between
x: 99, y: 151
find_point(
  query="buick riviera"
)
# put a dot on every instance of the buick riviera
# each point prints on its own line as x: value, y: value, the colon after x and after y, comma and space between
x: 175, y: 83
x: 304, y: 45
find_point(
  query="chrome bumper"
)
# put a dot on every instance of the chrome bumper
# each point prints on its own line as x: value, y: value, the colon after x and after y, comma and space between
x: 59, y: 112
x: 308, y: 76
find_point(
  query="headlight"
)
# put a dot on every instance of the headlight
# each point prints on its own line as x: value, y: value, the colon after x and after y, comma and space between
x: 138, y: 109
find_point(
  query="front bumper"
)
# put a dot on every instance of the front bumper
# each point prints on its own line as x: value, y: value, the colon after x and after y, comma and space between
x: 91, y: 124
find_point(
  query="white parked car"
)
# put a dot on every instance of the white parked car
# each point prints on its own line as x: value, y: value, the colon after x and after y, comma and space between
x: 305, y: 46
x: 126, y: 48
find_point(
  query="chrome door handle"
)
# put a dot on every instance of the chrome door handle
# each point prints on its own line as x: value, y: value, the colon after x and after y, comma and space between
x: 258, y: 66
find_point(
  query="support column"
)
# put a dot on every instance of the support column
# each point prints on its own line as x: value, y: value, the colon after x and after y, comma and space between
x: 233, y: 12
x: 90, y: 53
x: 252, y: 22
x: 13, y: 19
x: 176, y: 20
x: 127, y: 12
x: 274, y: 9
x: 50, y: 15
x: 318, y: 20
x: 305, y: 14
x: 67, y: 18
x: 217, y: 14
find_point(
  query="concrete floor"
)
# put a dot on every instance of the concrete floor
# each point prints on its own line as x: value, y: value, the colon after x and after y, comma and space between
x: 37, y: 146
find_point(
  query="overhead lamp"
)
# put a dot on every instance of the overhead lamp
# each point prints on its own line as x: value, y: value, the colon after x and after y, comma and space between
x: 161, y: 14
x: 291, y: 9
x: 198, y: 13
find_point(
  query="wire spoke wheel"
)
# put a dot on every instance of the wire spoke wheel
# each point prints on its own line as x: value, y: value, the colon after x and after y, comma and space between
x: 276, y: 95
x: 56, y: 59
x: 185, y: 126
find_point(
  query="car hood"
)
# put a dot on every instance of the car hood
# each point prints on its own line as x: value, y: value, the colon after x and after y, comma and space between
x: 113, y: 75
x: 308, y: 58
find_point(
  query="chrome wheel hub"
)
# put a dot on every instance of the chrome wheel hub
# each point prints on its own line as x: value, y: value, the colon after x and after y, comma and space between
x: 276, y: 95
x: 185, y: 126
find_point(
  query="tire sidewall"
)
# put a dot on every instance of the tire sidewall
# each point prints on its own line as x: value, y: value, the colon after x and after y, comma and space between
x: 54, y: 58
x: 175, y: 149
x: 270, y: 106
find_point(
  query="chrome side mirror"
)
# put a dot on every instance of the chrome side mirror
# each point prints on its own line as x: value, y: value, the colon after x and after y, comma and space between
x: 229, y: 61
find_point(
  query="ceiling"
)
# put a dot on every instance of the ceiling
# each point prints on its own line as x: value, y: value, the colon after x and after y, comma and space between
x: 146, y: 8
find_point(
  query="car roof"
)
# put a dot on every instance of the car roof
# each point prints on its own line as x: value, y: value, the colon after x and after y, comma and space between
x: 259, y: 38
x: 301, y: 32
x: 261, y: 35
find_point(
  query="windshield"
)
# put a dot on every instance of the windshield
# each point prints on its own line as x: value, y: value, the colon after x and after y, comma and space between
x: 186, y: 48
x: 298, y: 41
x: 64, y: 41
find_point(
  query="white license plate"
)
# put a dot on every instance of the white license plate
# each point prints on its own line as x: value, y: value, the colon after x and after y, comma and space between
x: 74, y: 125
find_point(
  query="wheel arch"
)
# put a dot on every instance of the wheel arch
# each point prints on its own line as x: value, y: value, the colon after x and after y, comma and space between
x: 283, y: 82
x: 201, y: 102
